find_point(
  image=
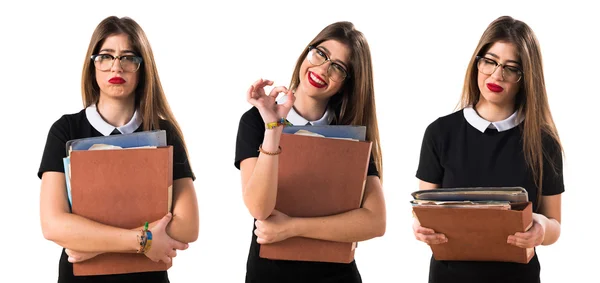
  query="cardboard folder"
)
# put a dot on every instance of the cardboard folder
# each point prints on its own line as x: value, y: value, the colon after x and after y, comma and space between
x: 318, y: 177
x: 476, y: 234
x: 122, y: 188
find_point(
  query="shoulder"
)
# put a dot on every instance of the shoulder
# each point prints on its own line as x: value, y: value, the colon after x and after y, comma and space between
x: 69, y: 123
x: 550, y: 145
x: 251, y: 121
x: 173, y: 136
x: 451, y: 120
x: 252, y: 116
x: 446, y: 124
x: 166, y: 125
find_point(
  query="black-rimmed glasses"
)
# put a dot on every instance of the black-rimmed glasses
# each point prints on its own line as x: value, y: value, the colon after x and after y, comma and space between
x: 488, y: 66
x: 129, y: 63
x: 318, y: 57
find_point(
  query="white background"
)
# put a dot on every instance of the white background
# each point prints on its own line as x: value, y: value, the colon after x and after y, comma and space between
x: 210, y: 53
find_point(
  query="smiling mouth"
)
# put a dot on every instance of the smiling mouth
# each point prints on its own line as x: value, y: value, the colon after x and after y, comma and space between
x: 315, y: 80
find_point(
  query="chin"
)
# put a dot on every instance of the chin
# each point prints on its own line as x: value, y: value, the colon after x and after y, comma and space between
x: 118, y: 95
x: 496, y: 98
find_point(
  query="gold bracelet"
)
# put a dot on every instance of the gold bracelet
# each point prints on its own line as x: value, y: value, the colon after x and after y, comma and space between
x: 260, y: 149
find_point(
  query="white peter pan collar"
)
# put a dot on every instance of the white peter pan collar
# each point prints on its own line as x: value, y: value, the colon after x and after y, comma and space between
x: 91, y: 112
x: 481, y: 124
x: 298, y: 120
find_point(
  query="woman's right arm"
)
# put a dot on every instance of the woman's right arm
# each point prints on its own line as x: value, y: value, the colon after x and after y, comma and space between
x: 259, y: 174
x: 259, y: 177
x: 81, y: 234
x: 423, y: 234
x: 429, y: 169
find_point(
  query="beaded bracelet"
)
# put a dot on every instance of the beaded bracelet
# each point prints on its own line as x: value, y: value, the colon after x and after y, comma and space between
x: 260, y: 149
x: 281, y: 122
x: 142, y: 239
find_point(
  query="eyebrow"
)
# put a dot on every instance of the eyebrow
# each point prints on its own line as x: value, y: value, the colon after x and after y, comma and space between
x: 507, y: 61
x: 113, y: 51
x: 336, y: 60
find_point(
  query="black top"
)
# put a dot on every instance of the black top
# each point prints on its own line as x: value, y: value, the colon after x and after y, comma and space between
x: 76, y: 126
x: 250, y: 135
x: 455, y: 154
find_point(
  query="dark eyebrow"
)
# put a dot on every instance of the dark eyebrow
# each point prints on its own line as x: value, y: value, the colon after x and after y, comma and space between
x: 113, y: 51
x: 507, y: 61
x: 329, y: 54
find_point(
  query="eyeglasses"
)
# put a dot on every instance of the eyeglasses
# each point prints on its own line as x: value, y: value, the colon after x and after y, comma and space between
x: 129, y: 63
x: 488, y: 66
x: 318, y: 57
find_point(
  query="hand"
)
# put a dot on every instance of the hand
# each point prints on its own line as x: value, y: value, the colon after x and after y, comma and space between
x: 277, y: 227
x: 163, y: 247
x: 75, y: 256
x: 427, y: 235
x: 533, y: 237
x: 269, y: 110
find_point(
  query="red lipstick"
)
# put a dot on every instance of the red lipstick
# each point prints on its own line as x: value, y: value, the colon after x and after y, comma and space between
x: 494, y: 87
x: 116, y: 80
x: 315, y: 83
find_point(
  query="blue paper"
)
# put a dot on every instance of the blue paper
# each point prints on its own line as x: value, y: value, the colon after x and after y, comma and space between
x: 332, y: 131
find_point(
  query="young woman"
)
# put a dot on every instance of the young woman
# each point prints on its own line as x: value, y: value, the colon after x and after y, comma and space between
x: 121, y: 94
x: 504, y: 135
x: 332, y: 83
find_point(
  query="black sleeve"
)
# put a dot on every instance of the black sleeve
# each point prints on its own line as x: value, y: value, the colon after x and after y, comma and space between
x: 181, y: 164
x: 372, y: 171
x: 430, y: 168
x: 552, y: 183
x: 251, y: 133
x: 55, y: 149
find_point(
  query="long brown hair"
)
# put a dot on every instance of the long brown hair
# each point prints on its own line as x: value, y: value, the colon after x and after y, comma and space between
x: 149, y: 95
x: 355, y: 102
x: 531, y: 101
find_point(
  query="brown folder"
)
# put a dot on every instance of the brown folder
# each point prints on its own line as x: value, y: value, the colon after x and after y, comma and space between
x: 122, y: 188
x: 318, y: 177
x: 476, y: 234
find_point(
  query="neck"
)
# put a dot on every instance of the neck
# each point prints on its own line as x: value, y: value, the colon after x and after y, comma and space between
x: 116, y: 112
x: 309, y: 108
x: 494, y: 112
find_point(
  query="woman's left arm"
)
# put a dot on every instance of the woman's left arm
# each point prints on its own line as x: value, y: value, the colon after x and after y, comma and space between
x: 353, y: 226
x: 185, y: 224
x: 550, y: 218
x: 546, y: 225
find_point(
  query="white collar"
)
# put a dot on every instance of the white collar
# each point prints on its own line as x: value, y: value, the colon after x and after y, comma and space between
x: 91, y: 112
x: 298, y: 120
x: 481, y: 124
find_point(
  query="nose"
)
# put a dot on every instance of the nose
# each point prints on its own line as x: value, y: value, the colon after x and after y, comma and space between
x: 498, y: 73
x: 324, y: 69
x: 116, y: 66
